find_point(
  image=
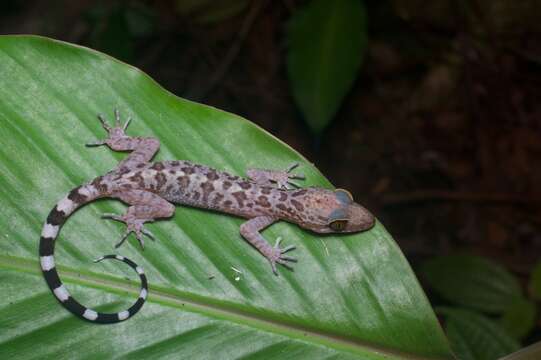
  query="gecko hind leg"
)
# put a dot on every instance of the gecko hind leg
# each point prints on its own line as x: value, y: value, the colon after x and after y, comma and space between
x: 275, y: 178
x: 145, y: 207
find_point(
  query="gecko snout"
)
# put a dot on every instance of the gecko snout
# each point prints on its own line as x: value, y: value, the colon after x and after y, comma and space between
x: 359, y: 219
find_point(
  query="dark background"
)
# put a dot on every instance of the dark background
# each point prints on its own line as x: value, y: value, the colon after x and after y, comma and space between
x: 440, y: 135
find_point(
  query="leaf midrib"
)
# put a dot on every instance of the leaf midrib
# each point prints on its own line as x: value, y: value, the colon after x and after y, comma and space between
x: 202, y: 305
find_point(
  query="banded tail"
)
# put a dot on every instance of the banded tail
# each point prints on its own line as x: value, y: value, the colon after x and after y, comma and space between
x: 57, y: 217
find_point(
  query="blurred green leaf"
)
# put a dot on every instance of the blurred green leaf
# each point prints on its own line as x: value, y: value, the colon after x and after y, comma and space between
x: 115, y: 27
x: 474, y: 336
x: 350, y: 297
x: 140, y: 20
x: 472, y: 281
x: 326, y: 45
x: 535, y: 282
x: 519, y: 318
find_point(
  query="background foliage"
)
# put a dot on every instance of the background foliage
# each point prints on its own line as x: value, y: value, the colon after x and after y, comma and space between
x: 429, y: 112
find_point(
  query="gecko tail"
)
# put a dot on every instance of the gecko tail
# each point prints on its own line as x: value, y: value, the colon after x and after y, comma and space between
x: 57, y: 217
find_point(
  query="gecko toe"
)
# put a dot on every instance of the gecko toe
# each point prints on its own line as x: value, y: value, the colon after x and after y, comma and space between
x: 124, y: 237
x: 112, y: 216
x: 285, y: 264
x: 273, y: 266
x: 288, y: 248
x: 149, y: 234
x: 288, y: 258
x: 96, y: 143
x: 103, y: 122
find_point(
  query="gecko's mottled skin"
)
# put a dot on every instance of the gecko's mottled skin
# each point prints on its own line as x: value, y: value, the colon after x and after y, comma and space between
x: 151, y: 189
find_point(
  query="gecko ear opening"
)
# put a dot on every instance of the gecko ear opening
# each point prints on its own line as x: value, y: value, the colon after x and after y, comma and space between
x: 343, y: 196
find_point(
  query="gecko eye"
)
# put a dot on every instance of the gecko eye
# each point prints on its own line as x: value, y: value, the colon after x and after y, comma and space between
x: 338, y: 225
x: 343, y: 196
x: 338, y: 220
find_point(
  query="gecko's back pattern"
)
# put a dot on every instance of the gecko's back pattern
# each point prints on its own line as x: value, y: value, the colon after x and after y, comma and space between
x: 151, y: 189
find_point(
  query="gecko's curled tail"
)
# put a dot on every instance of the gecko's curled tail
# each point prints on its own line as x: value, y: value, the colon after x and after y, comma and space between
x: 57, y: 217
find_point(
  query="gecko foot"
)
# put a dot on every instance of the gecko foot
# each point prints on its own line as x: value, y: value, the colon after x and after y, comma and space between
x: 276, y: 255
x: 132, y: 226
x: 117, y: 132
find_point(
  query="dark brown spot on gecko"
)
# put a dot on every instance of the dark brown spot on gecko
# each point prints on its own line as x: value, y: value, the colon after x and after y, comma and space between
x: 297, y: 205
x: 283, y: 196
x: 228, y: 203
x: 281, y: 207
x: 101, y: 187
x: 161, y: 179
x: 245, y: 185
x: 175, y: 163
x: 157, y: 166
x: 265, y: 190
x: 207, y: 189
x: 196, y: 195
x: 299, y: 193
x: 188, y: 170
x: 123, y: 170
x: 240, y: 196
x: 76, y: 196
x: 226, y: 185
x: 138, y: 179
x: 263, y: 201
x: 212, y: 175
x: 56, y: 217
x: 141, y: 165
x: 217, y: 199
x: 183, y: 181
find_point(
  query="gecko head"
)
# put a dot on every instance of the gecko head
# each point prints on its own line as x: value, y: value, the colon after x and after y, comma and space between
x: 333, y: 211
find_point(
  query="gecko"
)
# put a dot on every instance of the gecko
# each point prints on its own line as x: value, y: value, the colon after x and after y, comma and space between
x: 151, y: 189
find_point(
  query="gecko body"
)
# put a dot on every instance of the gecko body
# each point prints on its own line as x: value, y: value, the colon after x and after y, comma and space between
x: 151, y: 189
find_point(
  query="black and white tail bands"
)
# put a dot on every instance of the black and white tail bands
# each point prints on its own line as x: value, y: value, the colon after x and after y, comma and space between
x: 57, y: 217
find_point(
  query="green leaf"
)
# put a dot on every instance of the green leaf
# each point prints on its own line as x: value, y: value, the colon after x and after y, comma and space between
x: 519, y: 318
x: 535, y: 282
x: 474, y: 336
x: 327, y: 41
x: 349, y: 297
x: 472, y: 281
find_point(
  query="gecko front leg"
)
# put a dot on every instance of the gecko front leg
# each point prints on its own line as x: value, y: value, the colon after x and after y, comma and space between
x: 142, y: 148
x: 250, y: 231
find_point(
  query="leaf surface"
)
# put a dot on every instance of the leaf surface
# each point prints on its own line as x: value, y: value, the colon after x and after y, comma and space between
x: 349, y: 297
